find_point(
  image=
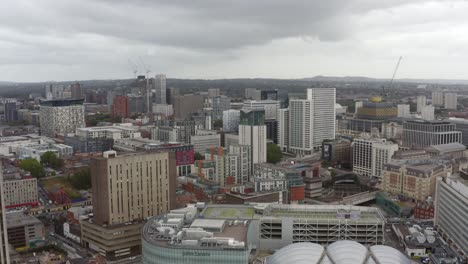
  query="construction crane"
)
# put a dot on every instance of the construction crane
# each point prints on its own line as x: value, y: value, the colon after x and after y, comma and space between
x: 147, y: 88
x: 385, y: 92
x: 134, y: 67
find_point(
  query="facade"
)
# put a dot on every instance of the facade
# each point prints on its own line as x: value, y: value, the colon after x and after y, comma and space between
x: 427, y: 113
x: 438, y: 98
x: 312, y: 120
x: 164, y: 110
x: 120, y: 106
x: 283, y: 129
x: 119, y: 209
x: 203, y: 141
x: 461, y: 125
x: 269, y: 95
x: 136, y: 104
x: 375, y: 109
x: 88, y: 145
x: 392, y: 130
x: 338, y: 152
x: 450, y: 100
x: 239, y: 162
x: 414, y: 179
x: 203, y: 241
x: 185, y: 105
x: 420, y: 103
x: 253, y: 94
x: 422, y: 134
x: 282, y: 225
x: 20, y: 192
x: 24, y: 231
x: 61, y: 116
x: 403, y: 110
x: 119, y: 131
x: 11, y: 112
x: 269, y: 106
x: 451, y: 207
x: 370, y: 155
x: 231, y: 120
x: 220, y: 104
x: 252, y: 132
x: 159, y: 86
x: 4, y: 248
x: 76, y: 91
x: 212, y: 92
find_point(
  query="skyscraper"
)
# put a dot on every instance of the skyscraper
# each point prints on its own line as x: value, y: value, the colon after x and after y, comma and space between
x: 427, y: 112
x: 159, y: 85
x: 4, y: 255
x: 420, y: 103
x: 11, y: 112
x: 252, y: 132
x: 312, y: 120
x: 231, y: 120
x: 403, y: 110
x: 61, y: 116
x: 76, y: 91
x: 120, y: 106
x: 369, y: 155
x: 450, y: 101
x: 219, y: 105
x: 438, y: 98
x: 283, y: 129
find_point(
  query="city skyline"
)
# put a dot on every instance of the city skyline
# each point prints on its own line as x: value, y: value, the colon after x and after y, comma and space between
x: 52, y: 40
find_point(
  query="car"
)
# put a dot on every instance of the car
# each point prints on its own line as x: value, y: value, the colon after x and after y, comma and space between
x: 132, y: 258
x: 52, y: 234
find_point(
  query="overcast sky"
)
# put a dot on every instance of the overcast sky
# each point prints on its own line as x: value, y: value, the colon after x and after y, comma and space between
x: 95, y: 39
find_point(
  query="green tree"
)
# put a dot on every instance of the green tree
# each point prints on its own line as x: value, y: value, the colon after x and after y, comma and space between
x: 218, y: 124
x: 199, y: 156
x: 81, y: 180
x: 33, y: 166
x: 274, y: 154
x: 50, y: 159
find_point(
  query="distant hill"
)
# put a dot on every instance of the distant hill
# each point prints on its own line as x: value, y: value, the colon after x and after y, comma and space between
x: 354, y: 79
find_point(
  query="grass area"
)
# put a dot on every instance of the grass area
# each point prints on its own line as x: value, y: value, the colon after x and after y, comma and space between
x: 60, y: 182
x: 227, y: 212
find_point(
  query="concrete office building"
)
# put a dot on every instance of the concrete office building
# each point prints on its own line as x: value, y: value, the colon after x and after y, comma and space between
x: 212, y: 92
x: 219, y: 105
x: 117, y: 131
x: 269, y: 106
x: 461, y: 125
x: 4, y: 254
x: 312, y: 120
x: 159, y: 86
x: 11, y: 112
x: 403, y: 110
x: 369, y: 155
x: 24, y: 231
x: 269, y: 95
x: 420, y: 103
x: 451, y: 207
x: 120, y: 209
x: 136, y: 104
x: 283, y: 129
x: 414, y: 179
x: 438, y: 98
x: 418, y: 134
x: 163, y: 110
x: 450, y: 101
x: 61, y: 116
x: 56, y: 91
x: 230, y: 139
x: 204, y: 140
x: 427, y: 113
x: 231, y: 120
x: 253, y: 94
x: 252, y: 132
x: 76, y: 91
x: 357, y: 105
x: 185, y: 105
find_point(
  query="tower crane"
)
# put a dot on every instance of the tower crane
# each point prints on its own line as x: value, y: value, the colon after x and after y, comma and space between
x: 134, y: 67
x: 148, y: 89
x: 385, y: 92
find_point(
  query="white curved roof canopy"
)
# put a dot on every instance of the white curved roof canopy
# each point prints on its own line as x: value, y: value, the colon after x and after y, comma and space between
x: 339, y: 252
x: 298, y: 253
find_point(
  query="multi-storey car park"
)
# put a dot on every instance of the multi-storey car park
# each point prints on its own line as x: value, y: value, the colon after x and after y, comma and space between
x: 232, y: 233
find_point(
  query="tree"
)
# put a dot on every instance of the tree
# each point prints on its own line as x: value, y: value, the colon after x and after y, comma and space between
x: 50, y: 159
x: 81, y: 180
x: 274, y: 154
x: 33, y: 166
x: 199, y: 156
x: 218, y: 123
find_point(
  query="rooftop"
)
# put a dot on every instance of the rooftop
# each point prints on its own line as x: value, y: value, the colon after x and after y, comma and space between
x: 447, y: 147
x: 19, y: 218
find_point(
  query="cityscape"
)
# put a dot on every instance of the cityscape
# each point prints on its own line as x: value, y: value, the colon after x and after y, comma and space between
x: 150, y: 167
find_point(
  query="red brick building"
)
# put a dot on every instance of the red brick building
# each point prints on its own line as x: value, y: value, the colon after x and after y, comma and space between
x: 424, y: 211
x: 120, y: 106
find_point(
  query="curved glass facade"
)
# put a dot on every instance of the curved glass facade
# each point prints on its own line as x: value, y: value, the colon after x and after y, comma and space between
x: 154, y: 254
